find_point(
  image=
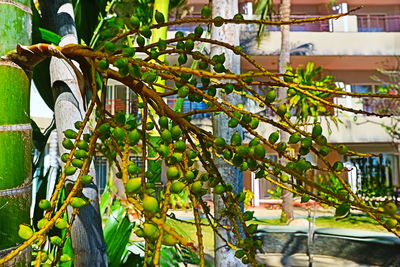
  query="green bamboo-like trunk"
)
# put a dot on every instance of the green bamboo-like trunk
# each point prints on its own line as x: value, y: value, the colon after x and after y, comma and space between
x: 15, y: 130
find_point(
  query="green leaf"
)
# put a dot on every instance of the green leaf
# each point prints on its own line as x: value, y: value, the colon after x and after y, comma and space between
x: 49, y: 36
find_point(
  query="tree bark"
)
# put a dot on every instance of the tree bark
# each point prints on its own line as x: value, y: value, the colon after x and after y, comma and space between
x: 284, y: 59
x: 86, y: 233
x: 15, y: 132
x: 229, y: 33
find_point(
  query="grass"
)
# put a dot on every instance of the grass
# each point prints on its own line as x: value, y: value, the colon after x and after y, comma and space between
x: 351, y: 222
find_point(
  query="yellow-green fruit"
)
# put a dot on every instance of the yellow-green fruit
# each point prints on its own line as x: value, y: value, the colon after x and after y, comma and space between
x: 176, y: 157
x: 166, y: 136
x: 338, y: 166
x: 65, y: 258
x: 78, y: 202
x: 133, y: 137
x: 197, y: 187
x: 169, y: 240
x: 254, y: 123
x: 70, y: 134
x: 232, y: 123
x: 390, y: 208
x: 61, y: 223
x: 219, y: 189
x: 236, y: 139
x: 259, y: 151
x: 159, y: 17
x: 135, y: 21
x: 145, y: 31
x: 324, y: 150
x: 70, y: 170
x: 82, y: 144
x: 80, y: 154
x: 64, y: 157
x: 67, y: 143
x: 270, y: 96
x: 103, y: 64
x: 342, y: 149
x: 391, y: 223
x: 133, y: 186
x: 41, y: 223
x: 44, y: 204
x: 86, y: 179
x: 104, y: 128
x: 273, y: 137
x: 190, y: 175
x: 176, y: 132
x: 219, y: 141
x: 173, y: 172
x: 163, y: 122
x: 25, y: 232
x: 180, y: 145
x: 139, y: 232
x: 150, y: 231
x: 281, y: 109
x: 119, y: 133
x: 150, y: 204
x: 56, y: 240
x: 77, y: 163
x: 205, y: 12
x: 177, y: 187
x: 281, y: 146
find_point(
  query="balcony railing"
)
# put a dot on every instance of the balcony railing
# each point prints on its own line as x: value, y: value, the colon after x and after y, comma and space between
x: 378, y: 23
x: 190, y: 106
x: 318, y: 26
x: 381, y: 106
x: 121, y: 105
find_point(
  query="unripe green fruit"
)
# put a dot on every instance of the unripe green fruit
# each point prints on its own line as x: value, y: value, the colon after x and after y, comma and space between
x: 128, y: 51
x: 228, y: 154
x: 133, y: 137
x: 342, y: 149
x: 104, y: 128
x: 338, y: 166
x: 80, y: 154
x: 166, y: 136
x: 198, y: 31
x: 254, y: 123
x: 86, y: 179
x: 67, y: 143
x: 294, y: 138
x: 255, y: 141
x: 229, y: 88
x: 281, y: 109
x: 56, y: 240
x: 150, y: 204
x: 305, y: 198
x: 70, y: 134
x: 149, y: 77
x: 302, y: 165
x: 139, y: 232
x: 242, y: 150
x: 281, y: 146
x: 82, y: 144
x: 140, y: 41
x: 173, y: 172
x: 240, y: 253
x: 61, y: 223
x: 252, y: 228
x: 306, y: 142
x: 150, y: 231
x: 205, y: 12
x: 64, y: 157
x: 25, y: 232
x: 164, y: 150
x: 41, y: 223
x: 321, y: 140
x: 70, y: 170
x: 182, y: 59
x: 103, y: 64
x: 219, y: 68
x: 169, y: 240
x: 218, y: 21
x: 233, y: 122
x: 135, y: 21
x: 248, y: 215
x: 180, y: 145
x: 183, y: 92
x: 270, y: 96
x: 197, y: 187
x: 391, y: 223
x: 192, y: 154
x: 77, y: 163
x: 324, y: 150
x: 65, y: 258
x: 219, y: 189
x: 163, y: 122
x: 109, y: 47
x: 44, y: 204
x: 273, y: 137
x: 304, y: 151
x: 189, y: 45
x: 236, y: 139
x: 238, y: 16
x: 177, y: 187
x: 78, y: 202
x: 259, y: 151
x: 133, y: 186
x: 145, y: 31
x: 133, y: 168
x: 342, y: 210
x: 241, y: 196
x: 316, y: 131
x: 176, y: 157
x: 121, y: 63
x: 159, y: 17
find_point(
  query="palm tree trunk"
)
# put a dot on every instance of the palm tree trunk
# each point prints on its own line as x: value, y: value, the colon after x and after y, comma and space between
x: 224, y: 255
x: 86, y: 234
x: 15, y: 131
x: 284, y: 59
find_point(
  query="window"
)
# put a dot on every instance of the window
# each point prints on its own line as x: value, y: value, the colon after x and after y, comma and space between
x: 361, y: 88
x: 120, y: 98
x: 100, y: 164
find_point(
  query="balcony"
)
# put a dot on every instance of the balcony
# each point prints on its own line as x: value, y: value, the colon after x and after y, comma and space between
x: 121, y: 105
x: 378, y: 23
x: 190, y: 106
